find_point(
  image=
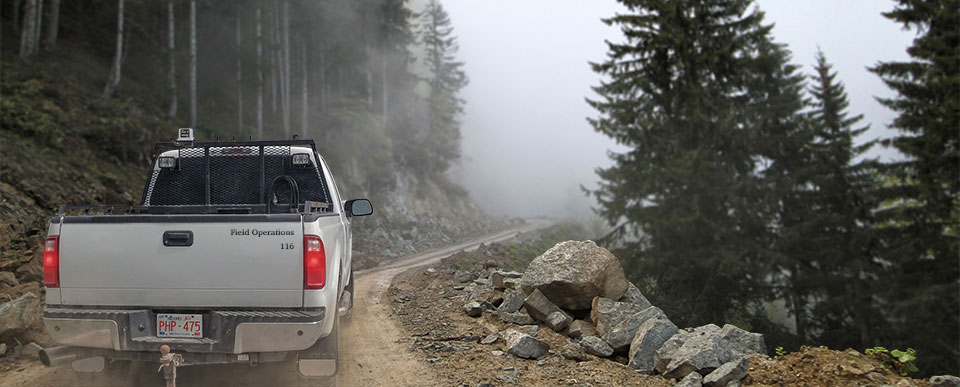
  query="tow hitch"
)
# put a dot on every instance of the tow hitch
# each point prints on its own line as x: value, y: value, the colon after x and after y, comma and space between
x: 168, y: 364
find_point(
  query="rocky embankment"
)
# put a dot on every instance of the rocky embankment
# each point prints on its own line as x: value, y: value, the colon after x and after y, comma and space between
x: 572, y: 318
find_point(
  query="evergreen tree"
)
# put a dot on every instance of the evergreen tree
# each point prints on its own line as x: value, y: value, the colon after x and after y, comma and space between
x: 840, y: 269
x: 446, y: 79
x: 921, y: 217
x: 687, y: 93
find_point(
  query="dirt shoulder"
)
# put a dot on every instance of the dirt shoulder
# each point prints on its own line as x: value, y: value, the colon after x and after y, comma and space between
x: 426, y: 303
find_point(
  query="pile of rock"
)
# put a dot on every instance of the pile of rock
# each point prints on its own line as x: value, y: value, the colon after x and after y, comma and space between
x: 579, y: 289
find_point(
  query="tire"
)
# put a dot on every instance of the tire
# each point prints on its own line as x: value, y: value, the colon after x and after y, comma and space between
x: 346, y: 318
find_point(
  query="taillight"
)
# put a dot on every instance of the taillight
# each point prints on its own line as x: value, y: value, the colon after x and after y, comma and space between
x: 314, y: 263
x: 51, y: 262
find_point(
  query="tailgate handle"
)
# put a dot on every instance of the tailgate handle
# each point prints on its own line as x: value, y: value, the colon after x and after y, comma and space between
x: 178, y: 238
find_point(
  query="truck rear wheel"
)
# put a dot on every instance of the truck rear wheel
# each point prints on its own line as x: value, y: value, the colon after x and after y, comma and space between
x: 346, y: 318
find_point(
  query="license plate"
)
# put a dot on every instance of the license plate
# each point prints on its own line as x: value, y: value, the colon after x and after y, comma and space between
x: 179, y: 325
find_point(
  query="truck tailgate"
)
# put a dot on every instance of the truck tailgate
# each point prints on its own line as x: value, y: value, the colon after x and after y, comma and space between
x: 231, y: 261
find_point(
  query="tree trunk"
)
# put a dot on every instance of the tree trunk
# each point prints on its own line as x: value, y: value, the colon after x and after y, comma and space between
x: 53, y: 25
x: 171, y: 57
x: 304, y: 97
x: 799, y: 305
x: 193, y: 64
x: 16, y: 17
x: 259, y: 78
x: 29, y: 27
x: 239, y: 83
x: 39, y: 27
x: 114, y: 79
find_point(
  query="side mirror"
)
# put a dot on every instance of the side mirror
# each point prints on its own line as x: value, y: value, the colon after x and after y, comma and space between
x: 358, y: 207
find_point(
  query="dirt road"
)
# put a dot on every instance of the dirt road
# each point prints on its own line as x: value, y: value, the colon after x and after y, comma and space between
x: 370, y: 352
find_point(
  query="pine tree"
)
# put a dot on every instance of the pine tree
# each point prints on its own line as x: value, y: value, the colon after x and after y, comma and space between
x: 685, y: 93
x: 446, y: 79
x: 839, y: 271
x: 922, y: 215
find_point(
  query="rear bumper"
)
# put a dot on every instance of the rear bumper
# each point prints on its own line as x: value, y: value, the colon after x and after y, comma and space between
x: 224, y: 331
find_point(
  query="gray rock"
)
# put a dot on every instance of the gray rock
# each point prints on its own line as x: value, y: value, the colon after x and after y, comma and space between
x: 512, y: 302
x: 473, y: 309
x: 728, y: 372
x: 512, y: 283
x: 650, y: 336
x: 490, y: 339
x: 607, y: 314
x: 31, y: 351
x: 580, y: 328
x: 20, y: 315
x: 8, y: 278
x: 523, y: 345
x: 741, y: 343
x: 661, y: 358
x: 3, y: 349
x: 622, y: 335
x: 519, y: 317
x: 595, y: 346
x: 463, y: 276
x: 572, y: 273
x: 498, y: 278
x: 633, y: 296
x: 531, y: 329
x: 944, y: 381
x: 540, y: 308
x: 574, y: 351
x: 700, y: 352
x: 558, y: 320
x: 691, y: 380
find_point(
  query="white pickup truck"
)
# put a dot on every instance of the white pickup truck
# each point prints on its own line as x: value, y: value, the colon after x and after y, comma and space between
x: 240, y: 252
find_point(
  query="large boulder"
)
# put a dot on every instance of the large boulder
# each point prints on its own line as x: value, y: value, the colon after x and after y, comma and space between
x: 741, y: 343
x: 572, y: 273
x: 633, y: 296
x: 20, y: 315
x: 607, y: 314
x: 731, y: 371
x: 497, y: 278
x: 519, y: 317
x: 595, y: 346
x: 512, y: 302
x: 622, y: 335
x: 650, y: 336
x: 540, y: 308
x: 698, y: 351
x: 523, y: 345
x: 580, y: 328
x: 692, y: 380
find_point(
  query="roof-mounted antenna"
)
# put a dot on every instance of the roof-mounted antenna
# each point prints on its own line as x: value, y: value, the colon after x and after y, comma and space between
x: 250, y: 138
x: 218, y: 138
x: 234, y: 138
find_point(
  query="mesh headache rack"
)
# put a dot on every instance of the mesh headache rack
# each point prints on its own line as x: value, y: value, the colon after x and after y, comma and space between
x: 233, y: 177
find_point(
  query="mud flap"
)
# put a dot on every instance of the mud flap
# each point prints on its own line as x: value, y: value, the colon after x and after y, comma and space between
x: 321, y: 359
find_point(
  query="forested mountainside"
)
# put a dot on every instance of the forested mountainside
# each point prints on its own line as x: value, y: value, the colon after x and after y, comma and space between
x: 89, y: 86
x: 745, y: 187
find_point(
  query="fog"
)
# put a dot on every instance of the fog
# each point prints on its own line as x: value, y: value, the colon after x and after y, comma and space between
x: 527, y: 147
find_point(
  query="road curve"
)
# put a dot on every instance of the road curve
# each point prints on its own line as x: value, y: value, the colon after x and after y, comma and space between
x: 370, y: 351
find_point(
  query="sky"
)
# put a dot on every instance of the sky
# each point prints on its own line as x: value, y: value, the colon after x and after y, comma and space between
x: 527, y: 147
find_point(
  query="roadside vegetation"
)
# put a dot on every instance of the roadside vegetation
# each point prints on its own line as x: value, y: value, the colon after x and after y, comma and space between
x: 745, y: 182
